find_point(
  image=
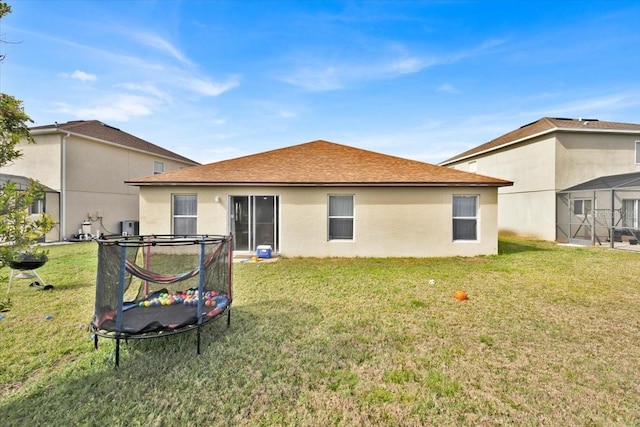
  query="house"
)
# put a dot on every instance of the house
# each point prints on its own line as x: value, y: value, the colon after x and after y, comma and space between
x: 545, y: 158
x: 51, y: 197
x: 322, y: 199
x: 87, y: 163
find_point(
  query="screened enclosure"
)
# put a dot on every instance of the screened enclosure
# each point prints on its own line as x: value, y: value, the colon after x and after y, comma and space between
x: 604, y: 210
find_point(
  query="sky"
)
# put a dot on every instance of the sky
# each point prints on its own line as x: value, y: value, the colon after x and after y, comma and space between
x: 424, y: 80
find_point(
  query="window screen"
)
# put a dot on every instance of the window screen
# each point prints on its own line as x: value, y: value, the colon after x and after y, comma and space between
x: 158, y: 167
x: 341, y: 217
x: 630, y: 212
x: 465, y: 217
x: 185, y: 214
x: 37, y: 207
x: 581, y: 206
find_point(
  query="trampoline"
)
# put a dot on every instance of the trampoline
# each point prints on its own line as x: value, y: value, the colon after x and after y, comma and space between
x: 154, y: 286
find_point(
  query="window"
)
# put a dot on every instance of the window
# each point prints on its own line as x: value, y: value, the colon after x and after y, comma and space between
x: 158, y: 167
x: 185, y: 214
x: 630, y: 213
x: 637, y: 152
x: 341, y: 217
x: 465, y: 217
x: 37, y: 207
x: 581, y: 206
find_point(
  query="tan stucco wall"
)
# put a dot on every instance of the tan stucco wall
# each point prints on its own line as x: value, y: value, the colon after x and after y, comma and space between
x: 412, y: 222
x: 96, y: 172
x: 585, y: 156
x: 39, y: 161
x: 528, y: 207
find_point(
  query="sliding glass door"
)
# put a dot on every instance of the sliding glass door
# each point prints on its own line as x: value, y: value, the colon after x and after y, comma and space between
x: 254, y: 222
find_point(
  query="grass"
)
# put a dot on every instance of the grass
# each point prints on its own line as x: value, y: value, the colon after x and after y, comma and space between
x: 549, y: 336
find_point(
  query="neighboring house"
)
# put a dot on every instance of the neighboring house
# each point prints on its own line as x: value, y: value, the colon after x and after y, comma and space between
x: 87, y: 163
x: 543, y: 159
x: 50, y: 200
x: 323, y: 199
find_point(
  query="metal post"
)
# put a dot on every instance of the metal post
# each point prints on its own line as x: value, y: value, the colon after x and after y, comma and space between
x: 200, y: 288
x: 117, y: 351
x: 120, y: 301
x: 612, y: 233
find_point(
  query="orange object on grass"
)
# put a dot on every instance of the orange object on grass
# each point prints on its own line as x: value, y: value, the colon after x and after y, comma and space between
x: 460, y: 295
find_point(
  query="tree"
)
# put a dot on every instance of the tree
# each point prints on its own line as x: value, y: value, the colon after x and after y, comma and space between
x: 5, y: 9
x: 19, y: 231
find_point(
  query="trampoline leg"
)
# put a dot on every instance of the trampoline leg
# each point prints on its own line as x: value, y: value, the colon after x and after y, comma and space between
x: 117, y: 352
x: 95, y: 341
x: 199, y: 327
x: 228, y: 317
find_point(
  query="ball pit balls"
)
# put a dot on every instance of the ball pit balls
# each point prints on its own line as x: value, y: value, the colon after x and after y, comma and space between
x: 189, y: 297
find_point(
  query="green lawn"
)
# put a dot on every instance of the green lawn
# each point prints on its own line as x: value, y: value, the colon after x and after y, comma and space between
x: 550, y: 336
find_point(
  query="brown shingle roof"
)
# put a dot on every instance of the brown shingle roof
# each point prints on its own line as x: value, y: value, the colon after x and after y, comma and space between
x: 98, y: 130
x: 547, y: 125
x: 320, y: 163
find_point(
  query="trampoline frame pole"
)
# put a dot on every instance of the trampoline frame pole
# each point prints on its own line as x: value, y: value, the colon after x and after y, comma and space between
x: 117, y: 352
x: 229, y: 243
x: 200, y: 289
x: 120, y: 302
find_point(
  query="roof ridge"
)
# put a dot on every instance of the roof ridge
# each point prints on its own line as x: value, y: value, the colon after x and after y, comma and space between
x: 542, y: 126
x: 320, y: 162
x: 111, y: 134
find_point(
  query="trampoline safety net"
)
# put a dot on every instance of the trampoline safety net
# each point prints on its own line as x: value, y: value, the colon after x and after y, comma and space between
x: 151, y: 285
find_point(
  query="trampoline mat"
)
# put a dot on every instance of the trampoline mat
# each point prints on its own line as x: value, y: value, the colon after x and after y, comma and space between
x: 142, y: 320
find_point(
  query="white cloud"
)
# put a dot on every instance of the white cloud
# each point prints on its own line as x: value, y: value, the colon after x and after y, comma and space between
x: 485, y: 47
x: 120, y: 107
x: 157, y: 42
x: 148, y: 88
x: 447, y: 88
x: 594, y: 106
x: 315, y: 78
x: 83, y: 76
x: 408, y: 65
x: 317, y: 75
x: 209, y: 88
x: 285, y: 114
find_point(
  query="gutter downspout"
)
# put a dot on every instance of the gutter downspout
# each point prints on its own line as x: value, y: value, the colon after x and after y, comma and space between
x: 63, y: 187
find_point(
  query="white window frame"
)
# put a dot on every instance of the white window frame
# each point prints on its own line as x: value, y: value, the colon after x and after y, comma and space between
x: 632, y: 221
x: 473, y: 166
x: 475, y: 218
x: 175, y: 216
x: 37, y: 207
x: 352, y: 217
x: 158, y: 167
x: 637, y: 152
x: 581, y: 211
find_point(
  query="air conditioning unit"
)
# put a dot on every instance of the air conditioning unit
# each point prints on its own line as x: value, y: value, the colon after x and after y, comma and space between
x: 129, y: 228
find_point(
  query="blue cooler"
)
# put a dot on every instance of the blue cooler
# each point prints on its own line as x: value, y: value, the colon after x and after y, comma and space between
x: 263, y: 251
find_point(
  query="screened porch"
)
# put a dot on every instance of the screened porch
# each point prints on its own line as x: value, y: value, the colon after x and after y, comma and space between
x: 602, y: 211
